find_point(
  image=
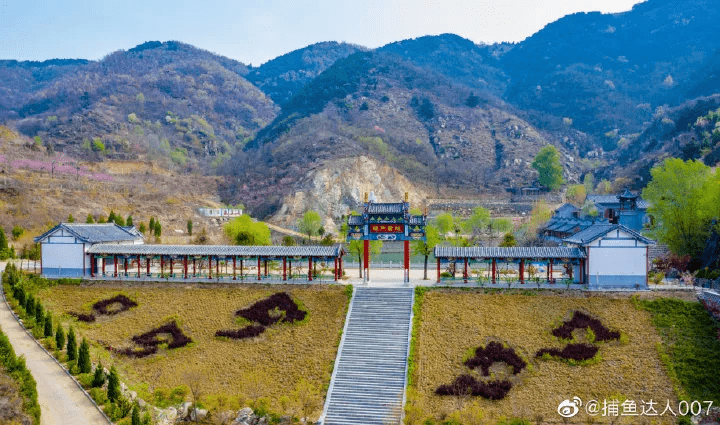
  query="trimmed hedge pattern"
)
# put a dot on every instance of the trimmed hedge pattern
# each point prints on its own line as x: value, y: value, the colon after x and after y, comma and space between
x: 583, y: 321
x: 278, y: 307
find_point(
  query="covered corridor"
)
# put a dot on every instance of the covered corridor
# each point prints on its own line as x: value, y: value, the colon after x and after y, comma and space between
x: 569, y: 261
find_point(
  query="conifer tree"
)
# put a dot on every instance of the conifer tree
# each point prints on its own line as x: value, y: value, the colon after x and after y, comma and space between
x: 99, y: 376
x: 59, y: 337
x: 89, y: 219
x: 48, y: 331
x: 113, y: 389
x: 84, y: 357
x: 3, y: 240
x: 71, y: 345
x: 30, y: 305
x: 135, y: 417
x: 39, y: 314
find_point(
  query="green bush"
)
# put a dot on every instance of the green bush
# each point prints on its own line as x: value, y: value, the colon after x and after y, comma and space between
x: 98, y: 395
x: 16, y: 368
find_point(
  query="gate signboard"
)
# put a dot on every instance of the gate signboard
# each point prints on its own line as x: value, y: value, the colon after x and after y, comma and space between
x: 387, y: 222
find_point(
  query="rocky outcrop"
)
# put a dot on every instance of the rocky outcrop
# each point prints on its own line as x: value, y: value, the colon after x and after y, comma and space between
x: 338, y: 187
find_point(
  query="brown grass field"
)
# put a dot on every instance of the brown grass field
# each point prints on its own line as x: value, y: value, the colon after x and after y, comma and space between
x: 271, y: 365
x: 453, y: 322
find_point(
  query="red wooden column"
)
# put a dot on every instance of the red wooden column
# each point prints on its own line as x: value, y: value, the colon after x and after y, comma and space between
x: 582, y: 271
x: 366, y: 261
x: 92, y: 265
x: 438, y: 270
x: 125, y: 264
x: 259, y: 268
x: 241, y: 269
x: 103, y: 265
x: 406, y: 257
x: 217, y: 268
x: 234, y: 264
x: 465, y: 270
x: 115, y: 265
x: 310, y: 266
x: 148, y: 261
x: 494, y: 268
x: 284, y: 268
x: 340, y: 267
x: 522, y: 271
x: 172, y: 268
x: 209, y: 266
x: 551, y: 271
x: 185, y: 266
x: 138, y: 261
x: 194, y: 271
x: 265, y: 266
x: 335, y: 275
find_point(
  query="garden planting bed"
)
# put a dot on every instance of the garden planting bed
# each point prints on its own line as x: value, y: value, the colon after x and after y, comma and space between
x: 271, y: 364
x: 453, y: 323
x: 279, y: 307
x: 107, y: 307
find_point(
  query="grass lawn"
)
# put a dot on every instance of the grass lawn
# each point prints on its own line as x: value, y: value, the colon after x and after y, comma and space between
x: 271, y: 365
x: 453, y: 322
x: 691, y: 347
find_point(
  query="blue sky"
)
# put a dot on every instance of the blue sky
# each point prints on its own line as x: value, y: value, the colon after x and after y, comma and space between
x: 255, y: 31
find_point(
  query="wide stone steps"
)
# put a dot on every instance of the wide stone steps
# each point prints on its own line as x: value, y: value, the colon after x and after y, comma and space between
x: 369, y: 379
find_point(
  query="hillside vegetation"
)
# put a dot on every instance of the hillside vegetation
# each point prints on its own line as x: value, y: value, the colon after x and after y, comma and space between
x: 614, y: 93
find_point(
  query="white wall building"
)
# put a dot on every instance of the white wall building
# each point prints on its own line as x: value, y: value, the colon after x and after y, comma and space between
x: 617, y: 256
x: 64, y: 247
x: 220, y: 212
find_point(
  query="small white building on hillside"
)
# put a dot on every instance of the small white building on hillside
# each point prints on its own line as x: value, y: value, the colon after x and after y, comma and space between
x: 64, y: 247
x: 617, y: 256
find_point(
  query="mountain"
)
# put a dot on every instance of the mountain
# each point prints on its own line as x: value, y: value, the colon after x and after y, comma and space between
x: 284, y: 76
x: 377, y: 106
x: 609, y: 72
x: 157, y: 100
x: 433, y: 116
x: 460, y: 59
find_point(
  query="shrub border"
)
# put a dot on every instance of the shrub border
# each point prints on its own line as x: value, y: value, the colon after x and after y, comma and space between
x: 67, y: 372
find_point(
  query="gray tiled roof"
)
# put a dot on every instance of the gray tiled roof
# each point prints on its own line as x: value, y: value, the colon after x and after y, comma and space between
x: 508, y: 252
x: 614, y: 200
x: 96, y: 233
x: 219, y: 250
x: 389, y: 208
x: 598, y: 230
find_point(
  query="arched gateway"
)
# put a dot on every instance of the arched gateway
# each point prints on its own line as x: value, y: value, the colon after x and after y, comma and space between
x: 386, y: 222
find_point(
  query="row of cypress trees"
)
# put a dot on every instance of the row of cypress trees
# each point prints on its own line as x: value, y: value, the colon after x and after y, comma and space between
x: 42, y: 324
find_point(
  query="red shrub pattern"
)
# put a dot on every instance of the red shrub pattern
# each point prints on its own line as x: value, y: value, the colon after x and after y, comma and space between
x: 88, y: 318
x: 125, y: 304
x: 262, y: 312
x: 582, y: 321
x: 494, y: 352
x: 246, y: 332
x: 468, y: 385
x: 150, y: 341
x: 577, y: 352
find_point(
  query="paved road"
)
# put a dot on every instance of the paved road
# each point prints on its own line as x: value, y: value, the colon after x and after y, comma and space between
x: 61, y: 401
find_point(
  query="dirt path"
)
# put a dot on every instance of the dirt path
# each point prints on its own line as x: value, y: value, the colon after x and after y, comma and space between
x: 61, y: 401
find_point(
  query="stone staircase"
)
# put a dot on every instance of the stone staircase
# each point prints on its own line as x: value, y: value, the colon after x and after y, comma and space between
x: 368, y: 382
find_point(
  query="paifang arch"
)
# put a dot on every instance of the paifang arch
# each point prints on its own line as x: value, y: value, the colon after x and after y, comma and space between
x: 386, y: 222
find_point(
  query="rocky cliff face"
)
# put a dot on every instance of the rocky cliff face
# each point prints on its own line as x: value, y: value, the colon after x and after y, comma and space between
x: 339, y: 186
